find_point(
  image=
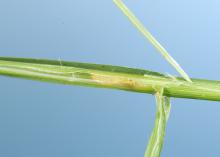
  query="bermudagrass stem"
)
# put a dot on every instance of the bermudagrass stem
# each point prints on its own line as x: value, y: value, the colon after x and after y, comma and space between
x: 108, y: 76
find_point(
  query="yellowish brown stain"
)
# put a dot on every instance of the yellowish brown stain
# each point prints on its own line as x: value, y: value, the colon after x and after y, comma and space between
x: 114, y: 81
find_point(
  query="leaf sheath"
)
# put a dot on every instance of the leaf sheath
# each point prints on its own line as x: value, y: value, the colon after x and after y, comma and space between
x: 107, y: 76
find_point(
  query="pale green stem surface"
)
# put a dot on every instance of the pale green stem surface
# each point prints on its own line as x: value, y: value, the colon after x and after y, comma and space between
x: 106, y: 76
x: 157, y: 137
x: 151, y: 38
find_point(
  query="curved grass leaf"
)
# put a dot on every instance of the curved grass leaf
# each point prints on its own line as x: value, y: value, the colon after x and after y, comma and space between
x: 157, y: 137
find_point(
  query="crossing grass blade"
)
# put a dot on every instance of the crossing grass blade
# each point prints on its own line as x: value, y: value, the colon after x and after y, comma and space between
x: 134, y: 20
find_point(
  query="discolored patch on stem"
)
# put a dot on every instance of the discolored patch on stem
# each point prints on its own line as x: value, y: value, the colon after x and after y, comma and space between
x: 119, y: 82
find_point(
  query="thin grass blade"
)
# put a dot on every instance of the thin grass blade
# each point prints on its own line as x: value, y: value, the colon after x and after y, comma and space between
x: 134, y: 20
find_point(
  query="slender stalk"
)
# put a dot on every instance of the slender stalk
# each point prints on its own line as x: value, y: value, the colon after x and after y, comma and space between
x: 157, y: 136
x: 106, y: 76
x: 134, y: 20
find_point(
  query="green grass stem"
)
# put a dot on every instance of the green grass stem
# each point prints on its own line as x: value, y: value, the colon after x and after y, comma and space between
x: 107, y: 76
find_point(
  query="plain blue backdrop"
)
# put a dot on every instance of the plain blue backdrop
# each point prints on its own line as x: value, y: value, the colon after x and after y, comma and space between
x: 49, y: 120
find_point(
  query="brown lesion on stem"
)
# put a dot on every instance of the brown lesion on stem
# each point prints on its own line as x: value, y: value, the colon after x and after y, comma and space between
x: 116, y: 81
x: 120, y: 82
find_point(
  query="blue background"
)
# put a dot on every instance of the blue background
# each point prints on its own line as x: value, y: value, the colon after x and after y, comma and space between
x: 50, y: 120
